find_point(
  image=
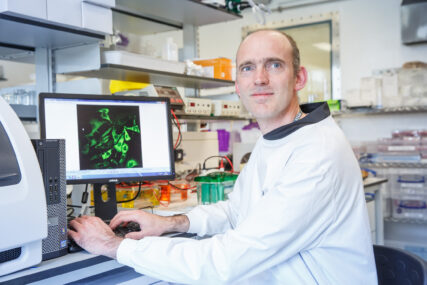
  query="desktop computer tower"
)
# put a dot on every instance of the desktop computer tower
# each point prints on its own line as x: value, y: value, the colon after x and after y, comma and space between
x: 51, y: 157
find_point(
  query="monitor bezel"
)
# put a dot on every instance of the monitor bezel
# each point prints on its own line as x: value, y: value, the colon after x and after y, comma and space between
x: 42, y: 123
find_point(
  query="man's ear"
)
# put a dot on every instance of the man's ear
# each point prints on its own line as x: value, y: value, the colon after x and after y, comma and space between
x: 237, y: 89
x: 301, y: 79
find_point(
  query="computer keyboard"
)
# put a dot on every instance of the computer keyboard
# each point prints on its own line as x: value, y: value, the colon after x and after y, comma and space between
x: 72, y: 246
x: 121, y: 231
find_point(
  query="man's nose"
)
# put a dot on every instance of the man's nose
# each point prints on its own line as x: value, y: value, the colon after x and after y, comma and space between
x: 261, y: 76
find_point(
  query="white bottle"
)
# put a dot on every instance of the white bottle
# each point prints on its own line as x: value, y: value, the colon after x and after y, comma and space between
x: 170, y: 50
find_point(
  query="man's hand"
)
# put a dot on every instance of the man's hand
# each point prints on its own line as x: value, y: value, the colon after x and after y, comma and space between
x: 150, y: 224
x: 92, y: 234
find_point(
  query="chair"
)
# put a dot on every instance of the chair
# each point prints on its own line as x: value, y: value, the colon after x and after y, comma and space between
x: 399, y: 267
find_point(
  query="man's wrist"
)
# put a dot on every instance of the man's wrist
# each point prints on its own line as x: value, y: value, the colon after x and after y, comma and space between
x: 112, y: 247
x: 178, y: 223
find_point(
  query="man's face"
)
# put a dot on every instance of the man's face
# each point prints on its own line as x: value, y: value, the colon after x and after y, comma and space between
x: 265, y: 76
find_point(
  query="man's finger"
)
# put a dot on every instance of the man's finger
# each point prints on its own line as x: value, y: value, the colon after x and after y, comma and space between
x: 122, y: 217
x: 76, y: 225
x: 73, y: 234
x: 135, y: 235
x: 117, y: 219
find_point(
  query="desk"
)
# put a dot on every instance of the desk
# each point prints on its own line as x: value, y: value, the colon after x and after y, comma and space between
x: 373, y: 185
x: 85, y: 268
x: 79, y: 268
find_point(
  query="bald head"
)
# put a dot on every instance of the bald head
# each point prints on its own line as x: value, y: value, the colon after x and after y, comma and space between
x: 288, y: 42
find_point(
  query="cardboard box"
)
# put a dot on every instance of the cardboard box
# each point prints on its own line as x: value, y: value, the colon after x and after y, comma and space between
x: 220, y: 68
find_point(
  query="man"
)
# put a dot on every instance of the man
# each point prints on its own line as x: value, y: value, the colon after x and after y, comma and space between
x: 297, y: 213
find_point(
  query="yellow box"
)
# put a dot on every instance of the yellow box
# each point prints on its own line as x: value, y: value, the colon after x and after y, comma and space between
x: 149, y: 196
x: 221, y: 67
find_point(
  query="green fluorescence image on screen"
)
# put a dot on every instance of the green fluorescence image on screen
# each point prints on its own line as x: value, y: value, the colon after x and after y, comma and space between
x: 109, y: 136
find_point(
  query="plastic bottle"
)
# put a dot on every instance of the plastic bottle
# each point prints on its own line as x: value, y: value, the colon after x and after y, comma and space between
x: 170, y: 50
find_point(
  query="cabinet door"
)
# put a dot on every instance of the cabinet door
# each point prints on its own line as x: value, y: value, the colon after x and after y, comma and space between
x: 32, y: 8
x: 97, y: 18
x: 68, y: 12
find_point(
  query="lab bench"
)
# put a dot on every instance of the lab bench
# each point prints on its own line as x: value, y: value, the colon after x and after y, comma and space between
x: 85, y: 268
x: 79, y: 268
x: 373, y: 185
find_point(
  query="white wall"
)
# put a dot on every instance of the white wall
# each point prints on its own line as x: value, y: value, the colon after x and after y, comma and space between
x: 369, y: 36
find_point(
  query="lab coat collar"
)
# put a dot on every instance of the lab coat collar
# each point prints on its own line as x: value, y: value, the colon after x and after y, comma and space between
x: 316, y: 112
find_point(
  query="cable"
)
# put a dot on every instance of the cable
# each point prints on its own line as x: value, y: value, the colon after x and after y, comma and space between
x: 70, y: 212
x: 179, y: 188
x: 259, y: 11
x: 179, y: 130
x: 84, y: 195
x: 179, y: 133
x: 223, y: 157
x: 84, y: 206
x: 134, y: 198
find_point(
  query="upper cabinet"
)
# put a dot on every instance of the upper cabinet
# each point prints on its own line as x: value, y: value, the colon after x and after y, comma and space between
x: 61, y: 23
x: 147, y: 17
x: 72, y: 29
x: 165, y: 15
x: 52, y: 23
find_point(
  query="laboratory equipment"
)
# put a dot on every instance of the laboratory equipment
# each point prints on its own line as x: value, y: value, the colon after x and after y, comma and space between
x: 23, y: 221
x: 226, y: 108
x: 51, y: 157
x: 410, y: 197
x: 110, y: 139
x: 214, y: 187
x: 198, y: 106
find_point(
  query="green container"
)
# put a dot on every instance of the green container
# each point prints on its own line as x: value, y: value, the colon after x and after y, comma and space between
x: 214, y: 187
x: 334, y: 105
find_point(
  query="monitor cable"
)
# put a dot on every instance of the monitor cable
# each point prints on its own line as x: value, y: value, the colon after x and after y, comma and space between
x: 178, y: 126
x: 85, y: 205
x: 135, y: 197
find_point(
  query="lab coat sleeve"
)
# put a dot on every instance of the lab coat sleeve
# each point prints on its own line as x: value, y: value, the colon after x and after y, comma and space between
x: 291, y: 217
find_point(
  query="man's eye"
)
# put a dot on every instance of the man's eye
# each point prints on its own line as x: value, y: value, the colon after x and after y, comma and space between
x: 274, y: 65
x: 246, y: 68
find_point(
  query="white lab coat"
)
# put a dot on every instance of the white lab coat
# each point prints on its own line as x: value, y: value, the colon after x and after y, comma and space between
x: 297, y: 215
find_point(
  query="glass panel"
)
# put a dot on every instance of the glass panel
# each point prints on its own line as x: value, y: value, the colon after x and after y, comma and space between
x: 314, y: 42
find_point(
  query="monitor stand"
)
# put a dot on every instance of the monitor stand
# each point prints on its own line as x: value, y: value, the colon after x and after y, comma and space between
x: 105, y: 209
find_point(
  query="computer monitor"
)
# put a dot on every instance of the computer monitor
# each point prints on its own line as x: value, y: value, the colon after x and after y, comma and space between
x: 110, y: 139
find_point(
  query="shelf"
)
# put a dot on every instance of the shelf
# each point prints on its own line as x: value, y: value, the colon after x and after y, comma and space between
x: 406, y: 221
x: 27, y: 34
x: 209, y: 118
x: 129, y: 22
x: 393, y: 165
x: 383, y: 111
x: 173, y: 13
x: 16, y: 53
x: 25, y: 112
x: 129, y: 73
x: 373, y: 181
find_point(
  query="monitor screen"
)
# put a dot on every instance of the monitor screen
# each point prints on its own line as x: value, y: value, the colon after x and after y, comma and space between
x: 110, y: 138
